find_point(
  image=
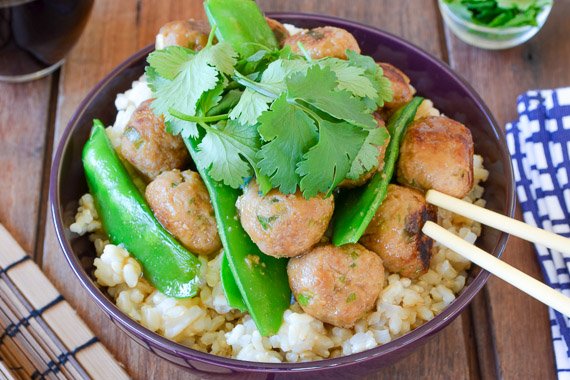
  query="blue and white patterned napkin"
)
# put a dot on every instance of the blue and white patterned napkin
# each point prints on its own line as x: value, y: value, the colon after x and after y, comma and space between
x: 539, y: 143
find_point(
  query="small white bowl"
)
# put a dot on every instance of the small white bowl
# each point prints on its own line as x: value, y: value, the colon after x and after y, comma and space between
x: 493, y: 38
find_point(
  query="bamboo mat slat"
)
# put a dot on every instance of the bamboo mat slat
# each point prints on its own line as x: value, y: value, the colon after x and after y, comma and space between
x: 5, y: 372
x: 41, y: 336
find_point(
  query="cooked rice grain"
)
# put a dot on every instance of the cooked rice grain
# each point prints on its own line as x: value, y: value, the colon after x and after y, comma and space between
x: 207, y: 323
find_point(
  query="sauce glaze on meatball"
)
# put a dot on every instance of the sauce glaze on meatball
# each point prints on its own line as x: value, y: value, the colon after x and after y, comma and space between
x: 181, y: 33
x: 395, y: 232
x: 283, y: 225
x: 182, y: 205
x: 437, y: 153
x: 336, y: 285
x: 403, y: 91
x: 326, y: 41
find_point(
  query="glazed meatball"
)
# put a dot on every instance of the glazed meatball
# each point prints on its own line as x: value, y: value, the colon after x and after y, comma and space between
x: 395, y: 232
x: 148, y: 147
x: 437, y: 153
x: 182, y: 205
x: 351, y: 183
x: 181, y: 33
x: 283, y: 225
x: 280, y: 32
x: 336, y: 285
x: 400, y: 82
x: 322, y: 42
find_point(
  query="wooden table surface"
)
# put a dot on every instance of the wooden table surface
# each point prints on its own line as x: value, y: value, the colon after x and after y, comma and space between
x: 503, y: 334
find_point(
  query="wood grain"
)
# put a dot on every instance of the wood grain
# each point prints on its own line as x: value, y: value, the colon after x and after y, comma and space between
x: 120, y: 28
x: 518, y: 322
x: 89, y: 63
x: 483, y: 343
x: 23, y: 126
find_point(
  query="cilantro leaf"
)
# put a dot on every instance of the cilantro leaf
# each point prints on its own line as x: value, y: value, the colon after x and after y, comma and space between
x: 350, y: 77
x: 375, y: 74
x: 326, y: 164
x: 252, y: 104
x: 183, y: 92
x: 221, y: 55
x: 211, y: 98
x: 153, y: 79
x: 168, y: 62
x: 384, y: 88
x: 228, y: 151
x: 367, y: 157
x: 196, y: 76
x: 298, y: 123
x: 181, y: 127
x: 279, y: 70
x: 318, y: 88
x: 290, y: 133
x: 226, y: 103
x: 207, y: 101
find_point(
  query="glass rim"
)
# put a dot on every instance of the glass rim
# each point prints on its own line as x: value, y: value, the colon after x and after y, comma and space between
x: 444, y: 7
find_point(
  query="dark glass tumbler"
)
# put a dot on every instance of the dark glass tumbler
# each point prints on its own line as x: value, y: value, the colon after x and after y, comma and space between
x: 36, y: 35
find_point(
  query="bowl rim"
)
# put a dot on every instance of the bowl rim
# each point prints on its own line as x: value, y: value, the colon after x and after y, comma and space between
x: 422, y: 332
x: 541, y: 18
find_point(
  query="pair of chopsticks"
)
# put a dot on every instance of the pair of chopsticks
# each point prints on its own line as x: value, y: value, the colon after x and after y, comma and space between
x: 504, y: 271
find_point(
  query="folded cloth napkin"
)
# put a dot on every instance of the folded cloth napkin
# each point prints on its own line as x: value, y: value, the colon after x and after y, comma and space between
x: 539, y: 144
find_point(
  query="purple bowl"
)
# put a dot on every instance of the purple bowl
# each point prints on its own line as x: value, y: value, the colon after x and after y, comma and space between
x: 431, y: 77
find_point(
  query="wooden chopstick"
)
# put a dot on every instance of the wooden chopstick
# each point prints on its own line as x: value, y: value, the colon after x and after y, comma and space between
x: 499, y: 222
x: 513, y: 276
x: 39, y: 331
x: 499, y: 268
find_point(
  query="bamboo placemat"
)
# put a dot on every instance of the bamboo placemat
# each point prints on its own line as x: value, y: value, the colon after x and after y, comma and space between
x: 41, y: 336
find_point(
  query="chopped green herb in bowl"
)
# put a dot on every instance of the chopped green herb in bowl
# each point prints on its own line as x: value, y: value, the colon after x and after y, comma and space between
x: 495, y: 24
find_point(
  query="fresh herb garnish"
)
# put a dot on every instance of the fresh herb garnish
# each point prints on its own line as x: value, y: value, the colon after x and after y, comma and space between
x: 499, y: 13
x: 290, y: 121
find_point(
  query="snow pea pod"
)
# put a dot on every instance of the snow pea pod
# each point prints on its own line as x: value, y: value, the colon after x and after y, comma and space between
x: 262, y: 280
x: 230, y: 286
x: 355, y: 209
x: 128, y: 220
x: 241, y: 24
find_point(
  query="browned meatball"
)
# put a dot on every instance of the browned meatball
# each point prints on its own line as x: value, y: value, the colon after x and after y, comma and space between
x: 437, y: 153
x: 395, y: 232
x: 326, y: 41
x: 148, y: 147
x: 351, y: 183
x: 181, y: 33
x: 280, y: 32
x: 283, y: 225
x: 400, y: 82
x: 182, y: 205
x: 336, y: 285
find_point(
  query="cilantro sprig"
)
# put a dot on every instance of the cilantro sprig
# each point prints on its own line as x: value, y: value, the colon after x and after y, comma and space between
x: 293, y: 122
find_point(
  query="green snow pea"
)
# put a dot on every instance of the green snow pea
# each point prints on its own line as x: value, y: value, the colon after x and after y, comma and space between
x: 230, y: 286
x: 356, y: 208
x: 241, y: 24
x: 262, y: 280
x: 128, y: 220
